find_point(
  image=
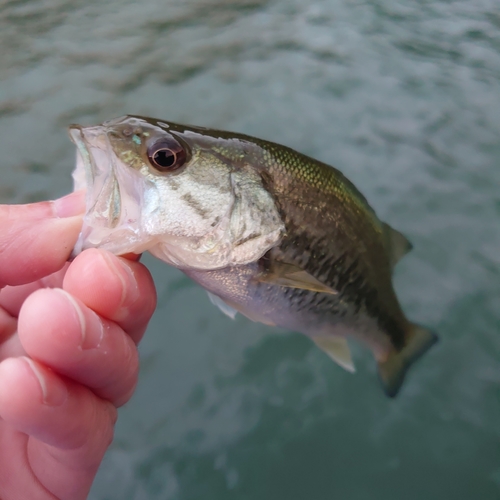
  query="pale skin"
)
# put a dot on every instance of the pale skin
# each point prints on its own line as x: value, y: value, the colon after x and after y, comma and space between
x: 68, y: 350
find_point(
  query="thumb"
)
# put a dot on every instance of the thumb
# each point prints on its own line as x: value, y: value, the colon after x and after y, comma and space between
x: 36, y: 240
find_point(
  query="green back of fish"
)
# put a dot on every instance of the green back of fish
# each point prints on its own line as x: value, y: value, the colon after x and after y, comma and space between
x: 334, y: 235
x: 331, y: 230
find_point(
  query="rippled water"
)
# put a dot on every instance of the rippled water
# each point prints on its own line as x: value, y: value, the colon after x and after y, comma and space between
x: 403, y: 97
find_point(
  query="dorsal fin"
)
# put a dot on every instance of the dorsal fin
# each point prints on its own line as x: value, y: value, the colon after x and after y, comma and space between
x: 338, y: 349
x: 397, y: 244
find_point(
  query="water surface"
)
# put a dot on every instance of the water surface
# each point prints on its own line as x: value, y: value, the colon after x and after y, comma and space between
x: 403, y: 97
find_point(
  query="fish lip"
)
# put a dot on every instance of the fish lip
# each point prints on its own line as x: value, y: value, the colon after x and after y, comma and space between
x: 77, y: 137
x: 103, y: 197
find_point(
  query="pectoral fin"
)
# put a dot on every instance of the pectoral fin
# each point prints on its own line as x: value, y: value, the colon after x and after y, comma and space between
x: 338, y: 349
x: 283, y: 274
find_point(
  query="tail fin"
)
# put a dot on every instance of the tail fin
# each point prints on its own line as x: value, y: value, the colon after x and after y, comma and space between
x: 392, y: 371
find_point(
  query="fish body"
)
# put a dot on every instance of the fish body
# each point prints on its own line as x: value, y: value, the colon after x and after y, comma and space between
x: 280, y: 237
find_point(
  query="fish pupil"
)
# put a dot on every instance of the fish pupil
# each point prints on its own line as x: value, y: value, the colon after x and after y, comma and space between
x: 166, y: 155
x: 164, y: 158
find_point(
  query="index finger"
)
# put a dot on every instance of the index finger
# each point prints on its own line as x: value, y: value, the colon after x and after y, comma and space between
x: 36, y: 240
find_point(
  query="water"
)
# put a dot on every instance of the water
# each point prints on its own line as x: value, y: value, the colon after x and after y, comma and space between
x: 403, y: 96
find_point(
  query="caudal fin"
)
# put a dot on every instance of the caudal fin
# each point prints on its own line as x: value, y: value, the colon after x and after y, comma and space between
x: 392, y: 371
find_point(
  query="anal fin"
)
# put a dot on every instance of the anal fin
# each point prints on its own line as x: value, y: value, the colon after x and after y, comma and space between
x: 338, y: 349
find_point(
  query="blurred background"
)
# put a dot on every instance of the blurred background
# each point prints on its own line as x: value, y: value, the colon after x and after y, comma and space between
x: 403, y: 97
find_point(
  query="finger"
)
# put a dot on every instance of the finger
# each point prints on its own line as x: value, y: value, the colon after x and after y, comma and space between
x: 36, y: 239
x: 70, y: 427
x: 11, y: 348
x: 74, y: 341
x: 12, y: 297
x: 8, y: 325
x: 116, y: 288
x: 136, y: 257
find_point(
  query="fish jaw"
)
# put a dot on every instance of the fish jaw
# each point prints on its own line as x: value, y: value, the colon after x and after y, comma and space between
x: 114, y: 195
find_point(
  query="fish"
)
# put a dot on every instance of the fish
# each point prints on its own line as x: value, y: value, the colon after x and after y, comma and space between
x: 270, y: 233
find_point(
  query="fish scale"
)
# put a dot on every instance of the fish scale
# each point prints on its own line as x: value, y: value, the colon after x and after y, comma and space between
x: 269, y: 232
x: 351, y: 211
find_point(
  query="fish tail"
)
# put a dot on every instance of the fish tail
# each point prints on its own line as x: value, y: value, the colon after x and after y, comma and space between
x: 392, y: 371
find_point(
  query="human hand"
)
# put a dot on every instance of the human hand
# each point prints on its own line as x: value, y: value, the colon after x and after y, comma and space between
x: 68, y: 355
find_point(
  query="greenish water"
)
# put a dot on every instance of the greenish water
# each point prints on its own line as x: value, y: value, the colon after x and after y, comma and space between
x: 402, y: 96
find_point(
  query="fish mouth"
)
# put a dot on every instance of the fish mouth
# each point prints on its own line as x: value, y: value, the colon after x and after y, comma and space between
x: 108, y: 223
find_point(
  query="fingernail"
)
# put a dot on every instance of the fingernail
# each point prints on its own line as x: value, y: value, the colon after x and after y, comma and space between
x: 130, y: 288
x: 70, y: 205
x: 91, y: 326
x: 93, y: 334
x: 54, y: 393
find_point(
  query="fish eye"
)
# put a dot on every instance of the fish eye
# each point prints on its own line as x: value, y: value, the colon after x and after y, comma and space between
x: 166, y: 155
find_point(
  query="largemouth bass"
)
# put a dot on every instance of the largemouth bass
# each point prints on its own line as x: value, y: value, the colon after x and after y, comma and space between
x: 275, y: 235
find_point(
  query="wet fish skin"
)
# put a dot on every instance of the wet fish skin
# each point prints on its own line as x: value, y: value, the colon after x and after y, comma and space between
x: 334, y: 235
x: 323, y: 269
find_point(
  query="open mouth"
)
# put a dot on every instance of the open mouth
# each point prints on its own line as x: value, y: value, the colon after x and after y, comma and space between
x: 105, y: 223
x: 95, y: 158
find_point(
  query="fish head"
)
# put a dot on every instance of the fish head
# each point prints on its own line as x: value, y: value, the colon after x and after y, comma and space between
x: 192, y: 197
